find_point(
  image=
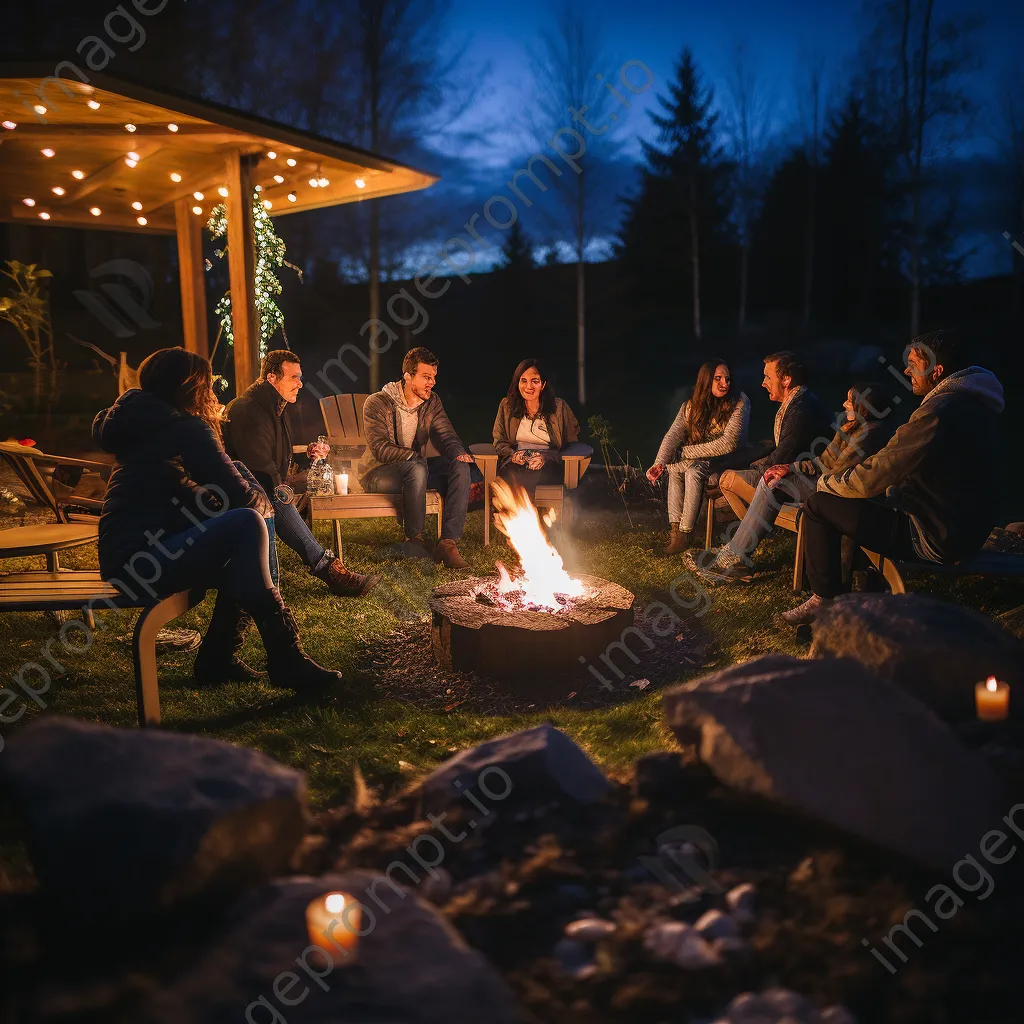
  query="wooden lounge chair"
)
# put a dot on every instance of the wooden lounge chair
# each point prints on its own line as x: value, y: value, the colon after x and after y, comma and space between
x: 73, y: 590
x: 343, y: 419
x: 545, y: 495
x: 61, y: 499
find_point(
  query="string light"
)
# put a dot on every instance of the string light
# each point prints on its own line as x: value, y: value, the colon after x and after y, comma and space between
x: 136, y: 205
x: 39, y: 108
x: 79, y: 175
x: 197, y: 210
x: 313, y: 183
x: 95, y: 211
x: 142, y: 221
x: 223, y: 192
x: 130, y: 162
x: 322, y: 182
x: 175, y: 176
x: 172, y: 127
x: 270, y: 253
x: 279, y: 178
x: 198, y: 195
x: 44, y: 215
x: 29, y: 202
x: 271, y: 155
x: 129, y: 127
x: 134, y: 156
x: 10, y: 125
x: 360, y: 183
x: 267, y: 203
x: 290, y: 161
x: 47, y: 152
x: 57, y: 190
x: 292, y: 197
x: 93, y: 105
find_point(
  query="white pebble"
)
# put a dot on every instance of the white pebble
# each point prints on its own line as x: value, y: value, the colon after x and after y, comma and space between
x: 741, y: 901
x: 589, y: 929
x: 715, y: 925
x: 836, y: 1014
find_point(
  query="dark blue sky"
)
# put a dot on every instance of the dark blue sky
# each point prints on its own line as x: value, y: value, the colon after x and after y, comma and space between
x: 778, y: 34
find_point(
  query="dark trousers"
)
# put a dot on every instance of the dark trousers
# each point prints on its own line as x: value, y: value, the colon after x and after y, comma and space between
x: 549, y: 473
x: 827, y: 519
x: 413, y: 479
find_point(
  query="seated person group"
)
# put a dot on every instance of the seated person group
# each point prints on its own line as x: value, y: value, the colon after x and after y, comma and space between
x: 202, y: 493
x: 907, y: 492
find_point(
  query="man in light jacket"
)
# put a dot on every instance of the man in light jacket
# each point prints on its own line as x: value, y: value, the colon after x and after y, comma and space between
x: 399, y: 423
x: 940, y: 466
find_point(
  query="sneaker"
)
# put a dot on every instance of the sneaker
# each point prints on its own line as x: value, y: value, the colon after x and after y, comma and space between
x: 448, y: 553
x: 736, y: 573
x: 416, y: 547
x: 804, y: 614
x: 177, y: 641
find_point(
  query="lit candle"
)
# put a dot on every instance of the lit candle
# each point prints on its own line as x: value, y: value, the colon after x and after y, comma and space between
x: 341, y: 483
x: 333, y: 922
x: 992, y: 699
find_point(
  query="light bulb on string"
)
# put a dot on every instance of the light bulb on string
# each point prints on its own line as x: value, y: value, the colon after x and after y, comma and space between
x: 93, y: 104
x: 136, y: 205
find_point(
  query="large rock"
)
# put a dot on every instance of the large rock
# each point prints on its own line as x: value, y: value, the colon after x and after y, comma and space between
x: 125, y: 822
x: 835, y: 742
x: 412, y: 966
x: 934, y: 649
x: 539, y: 763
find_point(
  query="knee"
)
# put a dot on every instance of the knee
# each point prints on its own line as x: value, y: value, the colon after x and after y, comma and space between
x: 726, y: 480
x: 418, y: 471
x: 460, y: 469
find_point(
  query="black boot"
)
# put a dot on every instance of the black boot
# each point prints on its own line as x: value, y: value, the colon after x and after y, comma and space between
x: 288, y: 665
x: 217, y: 660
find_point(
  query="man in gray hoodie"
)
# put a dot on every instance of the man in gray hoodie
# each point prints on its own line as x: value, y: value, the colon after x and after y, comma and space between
x: 399, y: 423
x: 940, y: 467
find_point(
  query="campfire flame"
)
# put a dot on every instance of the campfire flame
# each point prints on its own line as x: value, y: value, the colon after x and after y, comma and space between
x: 543, y: 584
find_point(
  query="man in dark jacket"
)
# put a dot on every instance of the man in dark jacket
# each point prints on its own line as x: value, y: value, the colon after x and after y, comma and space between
x: 256, y: 434
x: 800, y: 422
x: 938, y: 471
x: 400, y: 423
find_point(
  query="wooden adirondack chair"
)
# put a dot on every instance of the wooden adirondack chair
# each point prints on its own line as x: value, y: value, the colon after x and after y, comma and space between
x: 77, y: 515
x: 343, y: 420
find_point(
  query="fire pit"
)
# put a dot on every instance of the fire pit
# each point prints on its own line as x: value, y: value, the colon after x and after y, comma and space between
x: 533, y: 626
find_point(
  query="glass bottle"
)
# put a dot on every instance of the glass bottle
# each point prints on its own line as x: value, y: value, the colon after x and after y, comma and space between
x: 320, y: 477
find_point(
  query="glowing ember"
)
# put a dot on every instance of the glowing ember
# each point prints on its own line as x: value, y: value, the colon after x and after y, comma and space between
x: 542, y: 584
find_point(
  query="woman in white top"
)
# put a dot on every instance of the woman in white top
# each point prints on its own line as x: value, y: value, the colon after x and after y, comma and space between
x: 711, y: 423
x: 533, y: 429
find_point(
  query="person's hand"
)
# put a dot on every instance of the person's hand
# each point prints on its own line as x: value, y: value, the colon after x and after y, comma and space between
x: 773, y: 474
x: 536, y: 462
x: 261, y: 503
x: 519, y: 458
x: 654, y: 473
x: 318, y: 450
x: 464, y: 457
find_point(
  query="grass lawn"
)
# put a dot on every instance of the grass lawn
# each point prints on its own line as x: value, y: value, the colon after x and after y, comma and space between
x: 327, y: 738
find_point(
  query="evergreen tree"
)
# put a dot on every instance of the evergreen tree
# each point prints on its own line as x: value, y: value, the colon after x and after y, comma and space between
x: 679, y: 213
x: 517, y: 252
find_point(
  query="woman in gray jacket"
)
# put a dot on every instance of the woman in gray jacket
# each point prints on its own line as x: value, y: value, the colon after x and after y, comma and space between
x: 711, y: 423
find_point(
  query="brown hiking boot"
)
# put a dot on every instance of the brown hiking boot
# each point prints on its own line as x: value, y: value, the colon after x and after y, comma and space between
x: 678, y: 540
x: 448, y: 553
x: 343, y: 582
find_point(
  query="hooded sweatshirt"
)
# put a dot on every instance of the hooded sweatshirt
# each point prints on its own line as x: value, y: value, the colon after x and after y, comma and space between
x: 407, y: 417
x: 942, y: 464
x: 171, y: 471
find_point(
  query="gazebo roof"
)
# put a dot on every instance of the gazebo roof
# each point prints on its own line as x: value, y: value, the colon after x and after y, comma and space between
x: 84, y: 137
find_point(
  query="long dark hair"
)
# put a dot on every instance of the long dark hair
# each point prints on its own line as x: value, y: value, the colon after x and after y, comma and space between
x: 704, y: 407
x: 872, y: 400
x: 517, y: 406
x: 183, y: 379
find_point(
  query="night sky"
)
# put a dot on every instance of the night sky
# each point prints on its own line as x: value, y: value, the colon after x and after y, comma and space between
x: 777, y: 35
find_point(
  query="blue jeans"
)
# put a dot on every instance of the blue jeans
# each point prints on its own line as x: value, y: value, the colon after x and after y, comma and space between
x: 229, y: 553
x: 275, y: 568
x: 764, y: 507
x: 413, y: 478
x: 686, y: 480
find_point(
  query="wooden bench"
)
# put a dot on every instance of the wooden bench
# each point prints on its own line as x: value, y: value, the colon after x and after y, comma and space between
x: 985, y: 563
x: 544, y: 496
x: 47, y: 539
x: 71, y: 590
x: 343, y: 419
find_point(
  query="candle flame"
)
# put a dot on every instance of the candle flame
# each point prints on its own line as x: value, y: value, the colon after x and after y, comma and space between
x: 334, y: 903
x: 990, y: 684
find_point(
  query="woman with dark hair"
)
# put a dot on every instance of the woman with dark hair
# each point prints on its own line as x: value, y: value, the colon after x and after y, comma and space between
x: 864, y: 428
x: 710, y: 424
x: 534, y: 429
x: 177, y: 503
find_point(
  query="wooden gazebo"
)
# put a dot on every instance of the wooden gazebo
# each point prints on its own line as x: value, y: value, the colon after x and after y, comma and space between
x: 116, y: 155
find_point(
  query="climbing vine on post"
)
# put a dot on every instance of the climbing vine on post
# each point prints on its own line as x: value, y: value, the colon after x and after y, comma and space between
x: 269, y: 255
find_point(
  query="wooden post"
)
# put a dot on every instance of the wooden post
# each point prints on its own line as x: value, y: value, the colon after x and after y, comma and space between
x: 190, y: 271
x: 241, y: 270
